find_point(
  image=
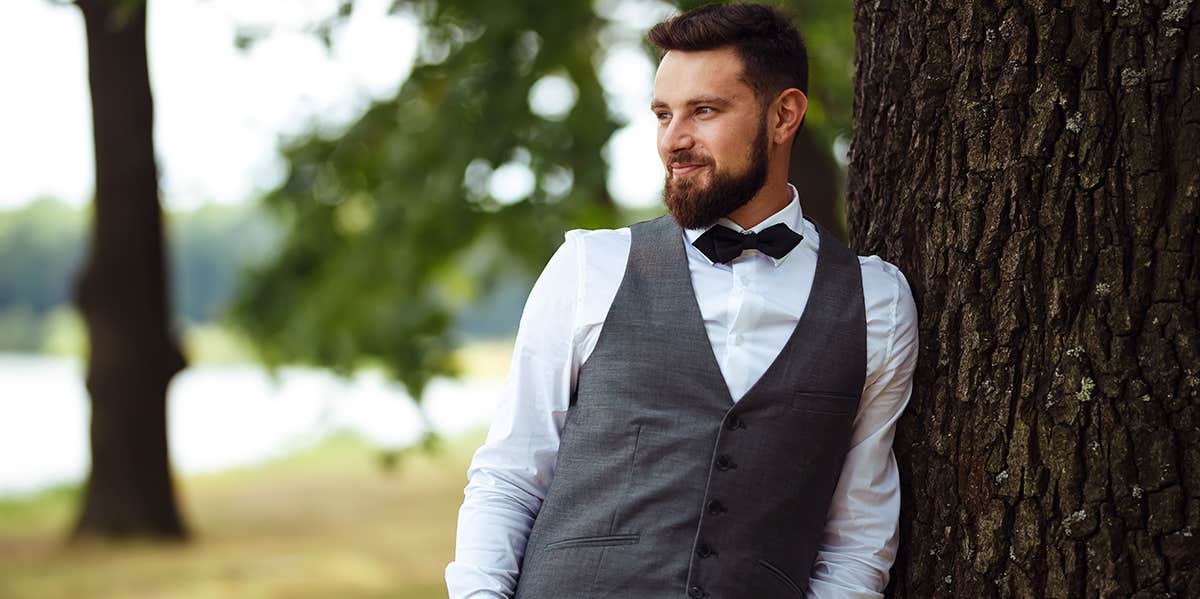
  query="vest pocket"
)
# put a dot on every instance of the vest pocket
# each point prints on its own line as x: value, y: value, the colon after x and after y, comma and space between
x: 782, y: 577
x: 594, y: 541
x: 836, y: 404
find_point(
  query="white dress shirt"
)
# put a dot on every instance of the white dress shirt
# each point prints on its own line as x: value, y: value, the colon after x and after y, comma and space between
x: 750, y: 307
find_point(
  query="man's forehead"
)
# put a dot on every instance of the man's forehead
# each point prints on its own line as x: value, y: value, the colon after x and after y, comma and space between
x: 683, y: 76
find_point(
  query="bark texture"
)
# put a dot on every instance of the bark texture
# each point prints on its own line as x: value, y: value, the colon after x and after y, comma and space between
x: 122, y: 291
x: 1034, y: 169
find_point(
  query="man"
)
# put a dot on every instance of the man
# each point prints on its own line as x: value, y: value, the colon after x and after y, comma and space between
x: 701, y: 405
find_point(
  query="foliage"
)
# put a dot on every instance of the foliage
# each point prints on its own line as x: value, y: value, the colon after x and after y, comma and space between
x: 208, y: 248
x: 391, y: 228
x: 41, y: 245
x: 829, y: 37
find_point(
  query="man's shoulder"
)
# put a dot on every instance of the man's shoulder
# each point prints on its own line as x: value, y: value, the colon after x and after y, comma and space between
x: 602, y: 253
x: 877, y: 271
x: 599, y: 236
x: 600, y: 245
x: 615, y: 237
x: 886, y: 290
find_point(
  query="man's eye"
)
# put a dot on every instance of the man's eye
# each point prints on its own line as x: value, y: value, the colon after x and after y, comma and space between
x: 662, y: 116
x: 705, y: 110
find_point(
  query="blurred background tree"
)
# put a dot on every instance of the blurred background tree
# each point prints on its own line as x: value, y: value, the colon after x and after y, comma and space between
x: 122, y: 291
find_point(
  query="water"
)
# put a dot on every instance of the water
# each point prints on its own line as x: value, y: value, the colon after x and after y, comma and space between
x: 221, y: 417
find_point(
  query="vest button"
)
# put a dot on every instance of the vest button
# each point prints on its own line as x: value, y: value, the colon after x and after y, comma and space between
x: 734, y: 423
x: 724, y: 462
x: 705, y: 551
x: 716, y: 507
x: 696, y: 592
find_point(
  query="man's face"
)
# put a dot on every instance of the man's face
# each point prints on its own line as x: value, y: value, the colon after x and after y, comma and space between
x: 712, y: 135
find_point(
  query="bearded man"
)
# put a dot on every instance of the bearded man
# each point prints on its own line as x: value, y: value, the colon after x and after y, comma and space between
x: 703, y: 404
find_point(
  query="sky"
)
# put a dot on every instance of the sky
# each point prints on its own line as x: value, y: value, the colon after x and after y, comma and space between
x: 220, y: 112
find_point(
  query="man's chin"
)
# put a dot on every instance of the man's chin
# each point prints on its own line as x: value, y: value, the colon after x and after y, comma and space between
x: 693, y: 184
x: 685, y: 212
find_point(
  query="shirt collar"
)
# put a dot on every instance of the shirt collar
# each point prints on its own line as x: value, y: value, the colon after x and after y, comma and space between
x: 791, y: 215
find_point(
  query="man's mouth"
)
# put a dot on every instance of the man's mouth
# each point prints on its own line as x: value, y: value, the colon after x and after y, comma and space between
x: 681, y: 169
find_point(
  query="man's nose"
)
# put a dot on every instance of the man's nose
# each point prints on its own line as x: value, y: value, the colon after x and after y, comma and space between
x: 676, y: 136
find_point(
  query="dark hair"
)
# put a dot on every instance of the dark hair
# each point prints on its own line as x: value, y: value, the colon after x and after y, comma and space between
x: 773, y: 54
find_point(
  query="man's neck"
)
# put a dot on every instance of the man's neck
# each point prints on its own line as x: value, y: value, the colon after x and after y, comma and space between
x: 770, y: 199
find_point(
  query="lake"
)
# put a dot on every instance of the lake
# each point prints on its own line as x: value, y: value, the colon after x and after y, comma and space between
x: 44, y: 413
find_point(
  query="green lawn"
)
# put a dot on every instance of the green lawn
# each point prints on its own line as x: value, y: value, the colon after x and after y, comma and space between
x: 328, y: 522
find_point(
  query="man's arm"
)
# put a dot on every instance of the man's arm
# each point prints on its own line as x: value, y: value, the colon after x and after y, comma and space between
x: 510, y: 474
x: 859, y: 543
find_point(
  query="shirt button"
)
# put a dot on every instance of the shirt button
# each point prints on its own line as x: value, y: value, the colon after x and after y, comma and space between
x: 696, y: 592
x: 716, y: 507
x: 736, y: 340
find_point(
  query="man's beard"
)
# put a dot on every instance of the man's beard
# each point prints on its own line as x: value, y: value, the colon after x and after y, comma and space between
x: 695, y: 206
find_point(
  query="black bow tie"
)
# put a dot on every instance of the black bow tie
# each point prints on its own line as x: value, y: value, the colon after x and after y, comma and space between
x: 722, y: 244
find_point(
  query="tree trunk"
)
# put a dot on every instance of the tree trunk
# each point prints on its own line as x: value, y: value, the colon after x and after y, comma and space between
x: 122, y: 291
x: 1034, y: 169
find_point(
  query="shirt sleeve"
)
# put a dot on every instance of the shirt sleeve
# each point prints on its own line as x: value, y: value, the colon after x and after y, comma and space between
x: 860, y: 538
x: 510, y: 474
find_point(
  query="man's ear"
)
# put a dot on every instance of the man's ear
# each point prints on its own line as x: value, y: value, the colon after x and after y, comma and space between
x: 788, y: 109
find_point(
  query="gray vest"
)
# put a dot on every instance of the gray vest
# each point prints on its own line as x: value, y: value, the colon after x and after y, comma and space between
x: 667, y: 488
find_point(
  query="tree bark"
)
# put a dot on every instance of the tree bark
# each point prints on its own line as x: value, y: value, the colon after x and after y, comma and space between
x: 1034, y: 169
x: 122, y: 291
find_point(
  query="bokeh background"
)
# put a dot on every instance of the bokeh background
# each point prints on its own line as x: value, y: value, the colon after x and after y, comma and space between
x: 357, y: 196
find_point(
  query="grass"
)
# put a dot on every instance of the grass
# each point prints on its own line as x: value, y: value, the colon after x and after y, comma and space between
x: 327, y: 522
